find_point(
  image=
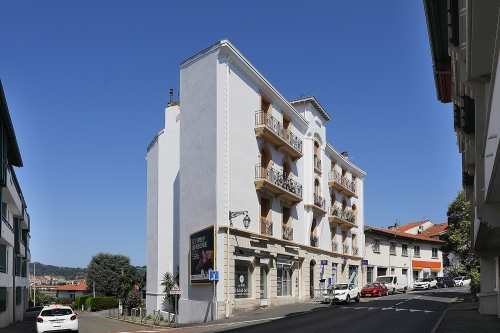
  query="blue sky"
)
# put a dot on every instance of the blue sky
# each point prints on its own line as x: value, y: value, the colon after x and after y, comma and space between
x: 87, y: 83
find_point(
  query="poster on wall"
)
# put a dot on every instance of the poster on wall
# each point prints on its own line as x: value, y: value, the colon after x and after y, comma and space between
x: 202, y: 253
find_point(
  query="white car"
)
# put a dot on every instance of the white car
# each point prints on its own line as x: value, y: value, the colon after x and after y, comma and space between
x: 342, y: 292
x: 426, y: 283
x: 56, y: 318
x: 461, y: 281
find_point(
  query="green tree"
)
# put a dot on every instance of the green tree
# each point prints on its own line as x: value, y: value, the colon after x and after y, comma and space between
x: 168, y: 282
x: 458, y: 239
x: 127, y: 281
x: 40, y: 298
x: 104, y: 271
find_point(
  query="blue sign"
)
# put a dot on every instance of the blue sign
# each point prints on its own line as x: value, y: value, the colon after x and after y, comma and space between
x: 345, y: 261
x: 213, y: 275
x: 364, y: 262
x: 324, y: 262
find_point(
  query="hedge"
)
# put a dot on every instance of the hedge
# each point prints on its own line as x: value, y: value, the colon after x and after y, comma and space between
x: 80, y: 300
x: 101, y: 302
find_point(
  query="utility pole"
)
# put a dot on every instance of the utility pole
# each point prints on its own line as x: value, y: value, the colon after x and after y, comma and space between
x: 34, y: 283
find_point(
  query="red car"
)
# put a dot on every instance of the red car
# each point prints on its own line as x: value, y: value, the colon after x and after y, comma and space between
x: 374, y: 289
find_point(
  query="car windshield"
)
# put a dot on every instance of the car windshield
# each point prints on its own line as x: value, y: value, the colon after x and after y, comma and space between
x: 457, y: 278
x: 340, y: 286
x: 56, y: 312
x: 371, y: 285
x: 423, y: 280
x: 387, y: 279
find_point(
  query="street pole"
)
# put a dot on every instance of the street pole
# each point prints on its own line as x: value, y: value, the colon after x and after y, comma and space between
x: 34, y: 284
x: 176, y: 311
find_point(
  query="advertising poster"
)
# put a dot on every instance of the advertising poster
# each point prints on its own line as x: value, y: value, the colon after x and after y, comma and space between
x: 202, y: 245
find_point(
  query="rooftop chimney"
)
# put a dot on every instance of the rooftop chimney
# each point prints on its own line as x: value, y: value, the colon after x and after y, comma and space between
x: 172, y: 103
x: 345, y: 154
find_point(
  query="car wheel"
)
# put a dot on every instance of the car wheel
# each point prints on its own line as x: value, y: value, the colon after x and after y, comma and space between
x: 428, y: 287
x: 404, y: 291
x: 357, y: 299
x: 347, y: 300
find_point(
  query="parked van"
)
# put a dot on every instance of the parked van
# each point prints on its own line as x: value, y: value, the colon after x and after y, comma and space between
x: 394, y: 283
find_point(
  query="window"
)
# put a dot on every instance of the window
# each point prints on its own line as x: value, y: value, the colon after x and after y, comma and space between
x: 3, y: 258
x: 393, y: 248
x: 243, y: 279
x: 404, y: 249
x: 416, y: 250
x: 376, y: 246
x: 3, y: 299
x: 18, y: 295
x: 284, y: 275
x: 369, y: 274
x: 17, y: 263
x: 404, y: 271
x: 434, y: 252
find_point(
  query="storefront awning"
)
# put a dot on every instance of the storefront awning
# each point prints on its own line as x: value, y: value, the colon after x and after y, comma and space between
x: 430, y: 265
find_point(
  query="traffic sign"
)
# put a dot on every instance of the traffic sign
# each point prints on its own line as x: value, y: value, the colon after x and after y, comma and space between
x: 213, y: 275
x: 175, y: 290
x: 324, y: 262
x: 364, y: 262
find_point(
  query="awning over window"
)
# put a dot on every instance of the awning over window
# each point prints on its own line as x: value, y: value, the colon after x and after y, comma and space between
x: 421, y: 264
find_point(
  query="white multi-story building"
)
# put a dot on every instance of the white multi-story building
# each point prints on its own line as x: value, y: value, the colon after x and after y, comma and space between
x: 465, y: 49
x: 405, y: 250
x: 14, y: 227
x: 243, y: 181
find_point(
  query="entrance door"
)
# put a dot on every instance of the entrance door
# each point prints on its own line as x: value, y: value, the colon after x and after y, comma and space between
x: 263, y: 285
x: 311, y: 279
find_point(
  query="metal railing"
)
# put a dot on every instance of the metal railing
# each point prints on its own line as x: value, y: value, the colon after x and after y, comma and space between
x: 317, y: 162
x: 346, y: 249
x: 276, y: 177
x: 343, y: 214
x: 7, y: 223
x: 287, y: 233
x: 335, y: 247
x: 354, y: 250
x: 314, y: 241
x: 319, y: 201
x: 266, y: 227
x: 348, y: 184
x: 263, y: 118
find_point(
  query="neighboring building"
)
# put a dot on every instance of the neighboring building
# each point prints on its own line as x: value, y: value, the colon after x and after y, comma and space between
x: 465, y: 45
x: 71, y: 290
x: 243, y: 181
x: 14, y: 227
x: 401, y: 251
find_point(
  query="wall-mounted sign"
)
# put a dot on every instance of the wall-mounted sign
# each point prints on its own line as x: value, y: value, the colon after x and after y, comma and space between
x: 364, y: 262
x: 202, y: 253
x: 324, y: 262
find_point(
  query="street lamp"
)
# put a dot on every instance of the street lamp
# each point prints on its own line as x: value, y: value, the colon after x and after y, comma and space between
x: 246, y: 219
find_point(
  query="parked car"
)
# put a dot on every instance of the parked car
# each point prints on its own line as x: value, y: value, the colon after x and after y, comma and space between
x: 426, y: 283
x: 445, y: 282
x: 33, y: 311
x: 342, y: 292
x: 394, y: 283
x: 374, y: 289
x: 461, y: 281
x: 56, y: 318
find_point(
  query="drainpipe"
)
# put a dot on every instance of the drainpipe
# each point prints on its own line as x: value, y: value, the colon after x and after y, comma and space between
x: 227, y: 273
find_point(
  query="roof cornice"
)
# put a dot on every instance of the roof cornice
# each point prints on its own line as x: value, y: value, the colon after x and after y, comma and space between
x: 338, y: 156
x: 316, y: 104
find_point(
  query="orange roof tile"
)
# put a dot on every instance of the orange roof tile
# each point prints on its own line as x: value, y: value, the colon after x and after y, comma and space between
x: 436, y: 230
x: 400, y: 233
x: 73, y: 287
x: 411, y: 225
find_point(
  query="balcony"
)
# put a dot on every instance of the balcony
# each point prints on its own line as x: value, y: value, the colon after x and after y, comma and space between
x: 287, y: 233
x: 343, y: 217
x: 273, y: 181
x: 335, y: 247
x: 319, y: 204
x: 267, y: 127
x: 314, y: 241
x: 346, y: 249
x: 317, y: 164
x: 7, y: 232
x: 354, y: 250
x: 342, y: 184
x: 266, y: 227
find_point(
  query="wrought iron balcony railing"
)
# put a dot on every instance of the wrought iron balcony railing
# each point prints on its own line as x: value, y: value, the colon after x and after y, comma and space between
x: 354, y: 250
x: 317, y: 162
x: 346, y: 183
x: 335, y: 247
x: 346, y: 249
x: 314, y: 241
x: 276, y: 177
x: 263, y: 118
x: 266, y: 227
x: 343, y: 214
x: 319, y: 201
x: 7, y: 223
x: 288, y: 233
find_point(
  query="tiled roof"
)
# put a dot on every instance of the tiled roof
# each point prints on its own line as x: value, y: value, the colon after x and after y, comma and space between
x: 402, y: 234
x: 411, y: 225
x: 73, y: 287
x: 436, y: 230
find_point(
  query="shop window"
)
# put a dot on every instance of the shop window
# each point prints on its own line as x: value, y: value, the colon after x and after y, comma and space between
x: 284, y: 279
x: 415, y: 275
x: 243, y: 279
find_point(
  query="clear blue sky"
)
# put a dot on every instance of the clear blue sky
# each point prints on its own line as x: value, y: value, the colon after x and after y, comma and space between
x: 87, y: 83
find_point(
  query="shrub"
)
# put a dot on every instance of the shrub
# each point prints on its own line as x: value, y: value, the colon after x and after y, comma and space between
x: 95, y: 303
x: 133, y: 299
x: 63, y: 300
x: 80, y: 300
x: 110, y: 302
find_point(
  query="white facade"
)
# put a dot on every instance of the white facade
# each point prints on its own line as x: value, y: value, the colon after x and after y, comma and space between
x: 465, y: 47
x: 243, y: 147
x: 14, y: 227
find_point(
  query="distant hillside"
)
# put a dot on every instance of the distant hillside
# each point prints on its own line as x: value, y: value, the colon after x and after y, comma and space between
x: 68, y: 272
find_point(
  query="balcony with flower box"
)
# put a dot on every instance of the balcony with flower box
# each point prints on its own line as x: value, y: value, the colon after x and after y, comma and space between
x: 273, y: 181
x: 269, y: 128
x: 317, y: 164
x: 342, y: 184
x: 287, y: 233
x: 319, y: 205
x: 266, y: 227
x: 314, y: 241
x: 343, y: 217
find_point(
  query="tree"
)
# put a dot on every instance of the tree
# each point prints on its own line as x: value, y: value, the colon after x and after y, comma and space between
x: 127, y: 282
x: 458, y: 239
x: 168, y: 282
x: 104, y: 271
x: 40, y: 298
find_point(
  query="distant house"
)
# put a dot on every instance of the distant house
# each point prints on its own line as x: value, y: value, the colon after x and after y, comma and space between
x: 71, y: 290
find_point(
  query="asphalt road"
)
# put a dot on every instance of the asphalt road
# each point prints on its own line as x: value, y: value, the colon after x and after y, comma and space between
x: 416, y: 311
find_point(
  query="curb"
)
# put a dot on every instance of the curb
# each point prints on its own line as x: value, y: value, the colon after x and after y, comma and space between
x: 442, y: 316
